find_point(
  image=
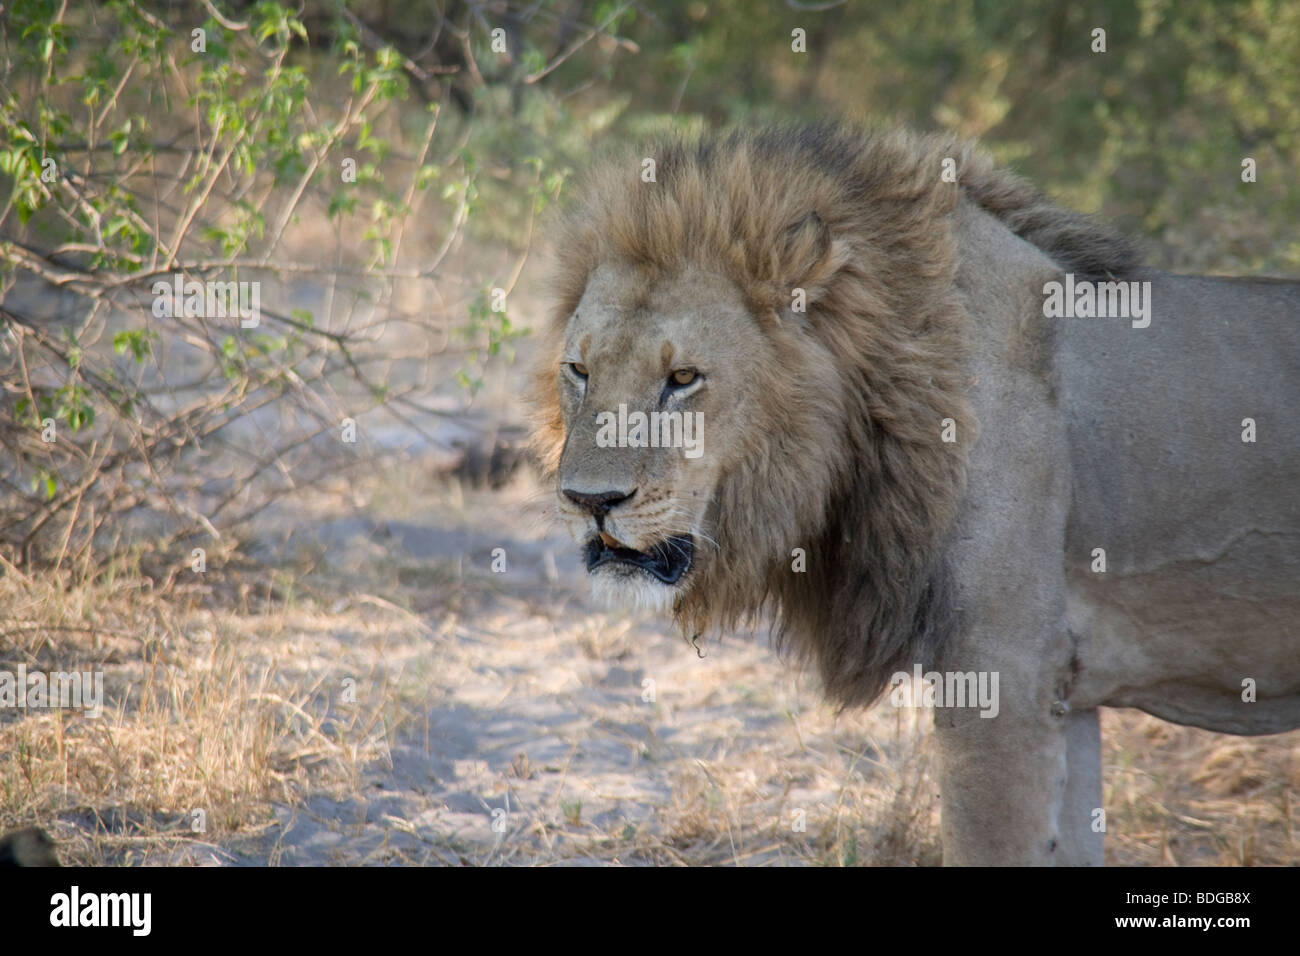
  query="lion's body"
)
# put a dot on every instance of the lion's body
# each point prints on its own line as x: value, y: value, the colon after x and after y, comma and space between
x: 1202, y: 529
x: 974, y: 551
x: 1128, y: 440
x: 1201, y: 596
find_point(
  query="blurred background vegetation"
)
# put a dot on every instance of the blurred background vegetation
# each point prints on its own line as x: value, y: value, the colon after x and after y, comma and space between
x: 396, y: 298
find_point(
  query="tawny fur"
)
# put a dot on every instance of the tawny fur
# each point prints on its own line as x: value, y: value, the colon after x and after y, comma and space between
x: 861, y: 223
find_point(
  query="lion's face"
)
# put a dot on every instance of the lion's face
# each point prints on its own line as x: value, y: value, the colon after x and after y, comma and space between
x: 657, y: 381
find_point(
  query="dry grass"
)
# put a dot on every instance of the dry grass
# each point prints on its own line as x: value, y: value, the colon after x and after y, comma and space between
x: 218, y: 712
x: 1177, y: 796
x: 504, y: 698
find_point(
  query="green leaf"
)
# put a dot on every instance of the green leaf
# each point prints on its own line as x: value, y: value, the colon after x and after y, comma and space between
x: 137, y: 341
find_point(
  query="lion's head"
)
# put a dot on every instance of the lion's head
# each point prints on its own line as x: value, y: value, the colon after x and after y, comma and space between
x: 792, y: 291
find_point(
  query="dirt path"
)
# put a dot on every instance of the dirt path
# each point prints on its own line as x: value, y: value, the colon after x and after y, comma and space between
x: 540, y: 730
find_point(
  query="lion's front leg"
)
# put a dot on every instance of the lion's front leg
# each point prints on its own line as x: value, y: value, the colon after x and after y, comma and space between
x: 1007, y: 792
x: 1004, y: 772
x: 1020, y: 792
x: 1003, y: 784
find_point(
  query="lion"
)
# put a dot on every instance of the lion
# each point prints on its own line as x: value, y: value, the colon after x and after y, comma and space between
x: 910, y: 457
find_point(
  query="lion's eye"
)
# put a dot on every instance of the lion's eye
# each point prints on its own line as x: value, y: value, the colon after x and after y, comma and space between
x: 682, y: 377
x: 578, y: 369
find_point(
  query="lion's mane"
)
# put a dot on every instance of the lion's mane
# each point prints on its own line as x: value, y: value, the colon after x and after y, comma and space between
x: 862, y: 221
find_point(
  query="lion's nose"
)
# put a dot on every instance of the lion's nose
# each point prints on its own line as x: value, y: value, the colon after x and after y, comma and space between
x: 600, y: 503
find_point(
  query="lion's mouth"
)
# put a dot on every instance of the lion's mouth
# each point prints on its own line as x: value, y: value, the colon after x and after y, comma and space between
x: 667, y: 561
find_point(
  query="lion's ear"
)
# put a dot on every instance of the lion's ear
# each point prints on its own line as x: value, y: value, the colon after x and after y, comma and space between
x: 808, y: 259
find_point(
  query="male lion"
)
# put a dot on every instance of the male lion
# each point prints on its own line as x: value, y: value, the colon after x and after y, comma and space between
x: 904, y: 461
